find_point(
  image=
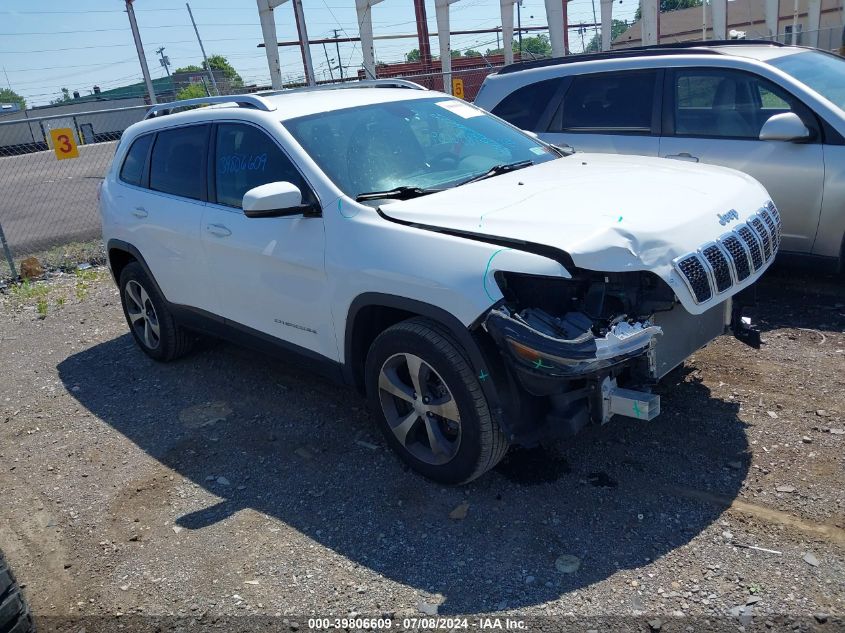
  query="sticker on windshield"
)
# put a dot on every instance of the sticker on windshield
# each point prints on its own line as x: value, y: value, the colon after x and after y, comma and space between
x: 463, y: 110
x: 538, y: 150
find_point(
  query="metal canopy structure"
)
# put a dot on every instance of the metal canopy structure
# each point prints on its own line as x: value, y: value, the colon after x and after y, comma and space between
x: 556, y: 13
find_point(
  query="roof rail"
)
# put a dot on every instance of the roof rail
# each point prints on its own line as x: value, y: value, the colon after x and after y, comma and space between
x: 360, y: 83
x: 656, y: 50
x: 250, y: 101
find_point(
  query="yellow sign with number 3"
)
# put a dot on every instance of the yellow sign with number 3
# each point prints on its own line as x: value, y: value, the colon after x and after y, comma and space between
x: 63, y: 143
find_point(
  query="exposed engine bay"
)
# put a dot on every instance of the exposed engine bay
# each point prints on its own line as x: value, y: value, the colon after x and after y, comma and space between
x: 573, y: 343
x: 576, y: 328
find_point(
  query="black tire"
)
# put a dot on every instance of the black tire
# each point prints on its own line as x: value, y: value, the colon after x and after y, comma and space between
x: 171, y: 340
x: 14, y: 612
x: 480, y: 443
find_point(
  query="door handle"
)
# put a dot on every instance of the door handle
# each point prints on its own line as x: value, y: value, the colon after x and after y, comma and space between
x: 684, y: 156
x: 218, y: 229
x: 140, y: 212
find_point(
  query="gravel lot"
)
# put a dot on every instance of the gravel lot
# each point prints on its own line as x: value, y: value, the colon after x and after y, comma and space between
x: 228, y: 484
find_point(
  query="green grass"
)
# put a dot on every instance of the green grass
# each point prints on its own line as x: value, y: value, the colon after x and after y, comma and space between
x: 65, y: 257
x: 28, y: 290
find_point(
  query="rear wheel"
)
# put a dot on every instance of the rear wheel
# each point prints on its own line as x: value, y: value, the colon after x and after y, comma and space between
x: 14, y: 612
x: 430, y: 405
x: 150, y: 320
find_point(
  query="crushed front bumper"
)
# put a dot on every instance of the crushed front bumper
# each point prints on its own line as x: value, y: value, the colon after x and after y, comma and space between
x: 544, y: 350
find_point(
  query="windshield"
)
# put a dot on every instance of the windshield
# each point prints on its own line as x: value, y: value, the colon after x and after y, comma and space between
x: 822, y: 72
x: 423, y: 143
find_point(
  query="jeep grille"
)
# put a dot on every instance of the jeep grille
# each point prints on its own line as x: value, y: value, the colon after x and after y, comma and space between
x: 717, y: 266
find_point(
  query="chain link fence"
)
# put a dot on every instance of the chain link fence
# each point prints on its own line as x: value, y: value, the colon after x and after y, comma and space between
x: 48, y: 205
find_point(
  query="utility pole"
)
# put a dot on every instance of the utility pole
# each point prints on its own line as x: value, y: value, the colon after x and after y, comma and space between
x: 303, y: 43
x: 328, y: 62
x: 337, y: 48
x: 519, y: 25
x: 199, y: 39
x: 422, y: 35
x: 140, y: 48
x: 165, y: 61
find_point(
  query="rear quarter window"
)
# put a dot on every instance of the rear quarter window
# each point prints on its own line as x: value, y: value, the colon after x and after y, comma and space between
x: 132, y: 170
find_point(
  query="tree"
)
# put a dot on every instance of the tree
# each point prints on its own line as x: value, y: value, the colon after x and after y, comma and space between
x: 7, y: 95
x: 192, y: 91
x: 63, y: 99
x: 671, y: 5
x: 216, y: 62
x: 193, y: 68
x: 534, y: 46
x: 617, y: 28
x: 456, y: 54
x: 472, y: 53
x: 537, y: 45
x: 413, y: 55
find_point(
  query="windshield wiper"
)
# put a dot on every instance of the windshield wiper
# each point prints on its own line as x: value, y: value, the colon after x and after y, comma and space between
x: 496, y: 170
x: 399, y: 193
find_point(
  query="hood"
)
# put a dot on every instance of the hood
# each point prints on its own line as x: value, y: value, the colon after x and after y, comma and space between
x: 609, y: 213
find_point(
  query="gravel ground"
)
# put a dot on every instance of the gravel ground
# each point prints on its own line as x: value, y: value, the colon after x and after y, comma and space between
x: 227, y: 484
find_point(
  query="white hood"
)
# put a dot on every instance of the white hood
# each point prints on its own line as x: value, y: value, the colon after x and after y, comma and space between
x: 609, y: 213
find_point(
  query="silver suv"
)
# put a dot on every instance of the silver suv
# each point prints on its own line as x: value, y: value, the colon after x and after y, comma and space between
x: 774, y: 112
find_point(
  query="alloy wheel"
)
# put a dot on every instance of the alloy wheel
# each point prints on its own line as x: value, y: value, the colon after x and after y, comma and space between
x: 142, y: 314
x: 419, y: 408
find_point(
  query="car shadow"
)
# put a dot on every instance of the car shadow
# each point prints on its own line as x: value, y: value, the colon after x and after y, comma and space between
x: 304, y: 451
x: 789, y: 298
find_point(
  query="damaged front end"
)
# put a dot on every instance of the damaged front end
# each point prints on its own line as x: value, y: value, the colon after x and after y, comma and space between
x: 568, y: 347
x: 571, y: 343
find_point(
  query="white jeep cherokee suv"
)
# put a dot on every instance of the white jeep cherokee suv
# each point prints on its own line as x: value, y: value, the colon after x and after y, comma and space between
x: 481, y: 287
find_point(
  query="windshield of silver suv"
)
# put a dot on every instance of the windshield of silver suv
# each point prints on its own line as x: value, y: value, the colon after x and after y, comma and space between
x: 409, y: 148
x: 822, y: 72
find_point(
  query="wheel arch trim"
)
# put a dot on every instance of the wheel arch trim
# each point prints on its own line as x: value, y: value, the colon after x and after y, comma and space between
x: 441, y: 317
x: 126, y: 247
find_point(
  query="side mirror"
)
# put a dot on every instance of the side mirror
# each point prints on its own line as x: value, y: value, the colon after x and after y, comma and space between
x: 784, y: 127
x: 275, y: 199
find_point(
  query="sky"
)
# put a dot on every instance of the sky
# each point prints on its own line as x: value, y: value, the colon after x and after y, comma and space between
x: 46, y: 45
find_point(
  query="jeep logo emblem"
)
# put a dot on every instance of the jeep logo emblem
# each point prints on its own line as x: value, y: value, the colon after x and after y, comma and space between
x: 727, y: 217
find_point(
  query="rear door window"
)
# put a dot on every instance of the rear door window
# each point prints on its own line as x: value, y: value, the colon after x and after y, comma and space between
x: 524, y: 106
x: 177, y: 165
x: 244, y: 158
x: 608, y: 103
x: 132, y: 171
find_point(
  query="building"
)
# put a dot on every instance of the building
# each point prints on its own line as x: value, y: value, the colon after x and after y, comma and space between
x: 470, y: 70
x: 747, y: 17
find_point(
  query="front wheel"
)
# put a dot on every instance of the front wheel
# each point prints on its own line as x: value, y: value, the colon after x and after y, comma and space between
x: 430, y: 405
